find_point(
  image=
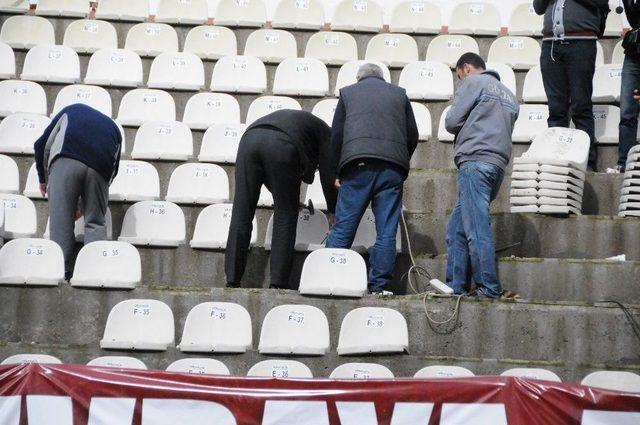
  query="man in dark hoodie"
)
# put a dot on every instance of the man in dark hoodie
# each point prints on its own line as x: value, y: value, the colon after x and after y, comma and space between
x: 568, y: 61
x: 481, y: 117
x: 280, y: 150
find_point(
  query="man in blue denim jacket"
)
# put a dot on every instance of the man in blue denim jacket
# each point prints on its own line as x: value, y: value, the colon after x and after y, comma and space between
x: 482, y: 117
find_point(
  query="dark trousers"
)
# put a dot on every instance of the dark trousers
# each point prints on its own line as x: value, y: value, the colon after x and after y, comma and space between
x: 628, y: 108
x: 265, y: 156
x: 567, y: 72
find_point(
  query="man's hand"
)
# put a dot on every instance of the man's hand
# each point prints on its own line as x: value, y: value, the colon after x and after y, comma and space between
x: 79, y: 213
x: 331, y: 218
x: 636, y: 95
x: 43, y: 189
x: 337, y: 184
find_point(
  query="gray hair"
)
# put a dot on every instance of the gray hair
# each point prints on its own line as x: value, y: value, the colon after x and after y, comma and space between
x: 369, y: 70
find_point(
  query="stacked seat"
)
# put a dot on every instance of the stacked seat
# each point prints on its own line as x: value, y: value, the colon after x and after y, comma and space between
x: 427, y: 81
x: 532, y: 373
x: 20, y: 219
x: 163, y: 140
x: 53, y: 64
x: 211, y: 42
x: 118, y: 362
x: 267, y: 104
x: 220, y: 143
x: 357, y: 15
x: 212, y: 228
x: 280, y: 368
x: 301, y: 77
x: 141, y: 105
x: 394, y: 50
x: 151, y: 39
x: 430, y: 372
x: 525, y: 21
x: 478, y: 18
x: 348, y: 72
x: 22, y: 96
x: 241, y: 13
x: 217, y: 327
x: 531, y: 121
x: 335, y: 272
x: 199, y: 366
x: 520, y: 53
x: 368, y: 330
x: 14, y: 6
x: 96, y: 97
x: 271, y: 46
x: 299, y: 14
x: 416, y: 18
x: 361, y: 371
x: 449, y: 48
x: 62, y: 8
x: 325, y: 110
x: 7, y: 61
x: 9, y: 175
x: 198, y: 184
x: 332, y: 47
x: 182, y: 12
x: 25, y: 32
x: 139, y: 324
x: 294, y: 329
x: 423, y: 120
x: 533, y: 89
x: 123, y: 10
x: 630, y: 193
x: 311, y: 231
x: 90, y: 35
x: 206, y: 109
x: 30, y: 358
x: 178, y: 71
x: 136, y: 181
x: 18, y: 132
x: 114, y: 67
x: 107, y: 264
x: 549, y: 177
x: 606, y: 84
x: 613, y: 380
x: 30, y: 261
x: 154, y: 223
x: 239, y: 74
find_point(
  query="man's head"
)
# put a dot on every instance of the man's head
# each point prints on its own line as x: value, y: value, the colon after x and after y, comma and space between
x: 369, y: 70
x: 469, y: 64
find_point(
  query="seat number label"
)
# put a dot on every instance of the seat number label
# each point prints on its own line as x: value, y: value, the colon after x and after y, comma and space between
x: 375, y: 321
x: 218, y: 313
x: 142, y: 310
x: 296, y: 317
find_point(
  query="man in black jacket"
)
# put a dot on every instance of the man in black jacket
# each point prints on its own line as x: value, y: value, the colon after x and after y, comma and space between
x: 280, y: 150
x: 568, y: 59
x: 374, y: 135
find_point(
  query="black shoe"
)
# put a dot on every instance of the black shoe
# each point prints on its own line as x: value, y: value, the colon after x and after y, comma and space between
x: 233, y: 285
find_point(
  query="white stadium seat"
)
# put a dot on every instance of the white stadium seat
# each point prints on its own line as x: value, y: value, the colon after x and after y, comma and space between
x: 265, y: 200
x: 267, y: 104
x: 182, y: 12
x: 531, y: 121
x: 54, y: 64
x: 618, y: 54
x: 151, y: 39
x: 141, y: 105
x: 90, y: 35
x: 217, y: 327
x: 136, y: 181
x: 613, y: 27
x: 315, y: 193
x: 427, y: 81
x: 532, y: 373
x: 22, y: 96
x: 599, y: 54
x: 606, y: 84
x: 607, y: 119
x: 286, y: 369
x: 613, y: 380
x: 178, y: 71
x: 361, y: 371
x: 211, y: 42
x: 533, y: 89
x: 301, y: 77
x: 199, y: 367
x: 423, y: 120
x: 206, y: 109
x: 124, y: 10
x: 357, y: 15
x: 525, y: 21
x: 562, y: 147
x: 348, y: 72
x: 311, y: 231
x: 366, y: 234
x: 478, y: 18
x: 30, y: 358
x: 507, y: 76
x: 271, y: 46
x: 9, y: 175
x: 7, y: 61
x: 520, y: 53
x: 163, y: 140
x: 114, y: 67
x: 449, y: 48
x: 241, y: 13
x: 18, y: 132
x: 198, y: 184
x: 25, y: 32
x: 239, y: 74
x: 332, y: 47
x: 373, y: 330
x: 96, y: 97
x: 212, y: 228
x: 118, y: 362
x: 333, y: 271
x: 325, y: 110
x: 431, y: 372
x: 31, y: 262
x: 394, y: 50
x: 443, y: 134
x: 299, y: 14
x: 32, y: 185
x: 294, y: 329
x: 416, y: 17
x: 139, y: 324
x: 154, y: 223
x: 62, y: 8
x: 14, y: 6
x: 107, y: 264
x: 220, y: 143
x: 20, y: 219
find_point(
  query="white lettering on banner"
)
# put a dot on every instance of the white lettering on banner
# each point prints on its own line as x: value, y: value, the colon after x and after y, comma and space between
x: 360, y: 5
x: 219, y: 313
x: 411, y: 413
x: 27, y: 123
x: 152, y: 30
x: 20, y: 90
x: 375, y: 321
x: 91, y: 27
x: 112, y: 411
x: 536, y: 116
x: 331, y: 40
x: 49, y: 410
x: 338, y: 259
x: 272, y: 37
x: 600, y: 417
x: 10, y: 203
x: 211, y: 34
x: 417, y: 7
x: 164, y: 130
x: 296, y: 317
x: 476, y: 9
x: 357, y: 413
x: 454, y: 43
x: 35, y: 250
x: 110, y: 253
x: 55, y: 54
x: 295, y: 413
x: 473, y: 413
x: 142, y: 310
x: 516, y: 44
x: 117, y: 58
x: 391, y: 42
x: 192, y: 412
x: 10, y: 410
x: 83, y: 94
x: 280, y: 371
x: 302, y: 4
x: 132, y: 170
x: 150, y: 98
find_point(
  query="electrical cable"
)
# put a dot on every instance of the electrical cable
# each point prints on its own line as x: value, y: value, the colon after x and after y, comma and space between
x: 635, y: 327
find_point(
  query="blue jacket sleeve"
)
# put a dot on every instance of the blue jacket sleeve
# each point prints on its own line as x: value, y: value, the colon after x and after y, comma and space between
x: 337, y: 134
x: 40, y: 145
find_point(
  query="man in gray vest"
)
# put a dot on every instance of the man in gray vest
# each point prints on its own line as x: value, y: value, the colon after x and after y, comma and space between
x: 374, y: 135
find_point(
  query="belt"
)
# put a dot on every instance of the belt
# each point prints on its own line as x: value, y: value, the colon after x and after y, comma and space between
x: 573, y: 34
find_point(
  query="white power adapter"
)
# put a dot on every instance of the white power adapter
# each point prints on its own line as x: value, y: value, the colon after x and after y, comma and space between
x: 441, y: 287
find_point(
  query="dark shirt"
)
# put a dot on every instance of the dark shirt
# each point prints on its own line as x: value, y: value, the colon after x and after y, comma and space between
x: 632, y: 10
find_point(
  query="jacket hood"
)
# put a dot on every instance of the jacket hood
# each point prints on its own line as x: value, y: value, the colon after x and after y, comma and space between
x: 492, y: 73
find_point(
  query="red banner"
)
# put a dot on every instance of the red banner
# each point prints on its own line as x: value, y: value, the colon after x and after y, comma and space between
x: 78, y: 395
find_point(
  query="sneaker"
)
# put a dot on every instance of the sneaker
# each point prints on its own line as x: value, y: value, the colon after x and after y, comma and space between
x: 616, y: 170
x: 233, y: 285
x: 381, y: 293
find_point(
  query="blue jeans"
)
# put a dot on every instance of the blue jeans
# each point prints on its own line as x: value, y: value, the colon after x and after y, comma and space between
x: 382, y: 185
x: 469, y: 235
x: 628, y: 108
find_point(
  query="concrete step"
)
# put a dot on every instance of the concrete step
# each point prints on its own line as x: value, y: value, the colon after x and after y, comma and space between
x: 488, y: 337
